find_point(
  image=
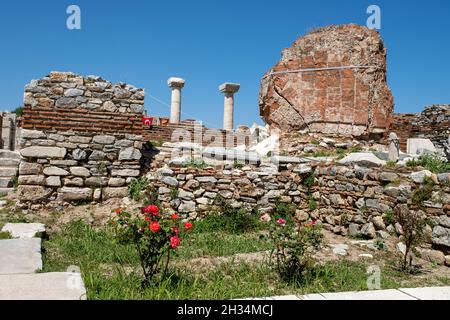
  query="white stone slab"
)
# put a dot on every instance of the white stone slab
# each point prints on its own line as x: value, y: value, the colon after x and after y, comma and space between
x: 431, y: 293
x: 42, y: 286
x: 415, y: 145
x: 390, y: 294
x: 23, y: 230
x: 363, y: 159
x: 20, y: 256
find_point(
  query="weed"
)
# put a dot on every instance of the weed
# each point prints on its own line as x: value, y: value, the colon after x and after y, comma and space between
x: 136, y: 188
x: 431, y: 162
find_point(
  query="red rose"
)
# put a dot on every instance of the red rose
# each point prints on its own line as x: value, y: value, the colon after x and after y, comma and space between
x: 174, y: 216
x: 151, y: 209
x: 188, y: 225
x: 117, y: 211
x: 154, y: 226
x: 174, y: 242
x: 148, y: 219
x: 176, y: 230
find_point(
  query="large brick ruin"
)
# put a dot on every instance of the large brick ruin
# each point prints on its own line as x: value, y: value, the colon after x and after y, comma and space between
x: 332, y: 80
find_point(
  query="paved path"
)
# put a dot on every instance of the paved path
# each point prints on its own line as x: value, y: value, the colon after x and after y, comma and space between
x: 431, y: 293
x: 20, y: 259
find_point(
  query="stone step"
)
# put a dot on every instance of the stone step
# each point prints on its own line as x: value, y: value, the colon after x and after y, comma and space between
x: 10, y: 154
x: 20, y: 256
x: 42, y: 286
x: 24, y: 230
x: 6, y: 162
x: 8, y: 172
x: 5, y: 191
x: 6, y: 182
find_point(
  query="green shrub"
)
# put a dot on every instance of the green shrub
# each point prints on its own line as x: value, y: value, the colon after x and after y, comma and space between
x: 136, y: 188
x: 431, y: 162
x: 413, y: 226
x: 294, y: 247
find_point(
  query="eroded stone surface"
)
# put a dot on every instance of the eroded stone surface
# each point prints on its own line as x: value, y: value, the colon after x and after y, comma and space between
x: 348, y: 101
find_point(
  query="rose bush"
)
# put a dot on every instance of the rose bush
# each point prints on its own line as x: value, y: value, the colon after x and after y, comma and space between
x: 155, y: 236
x: 294, y: 245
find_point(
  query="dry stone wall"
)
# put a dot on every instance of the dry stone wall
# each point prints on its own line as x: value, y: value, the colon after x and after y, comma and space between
x: 350, y: 200
x: 81, y: 139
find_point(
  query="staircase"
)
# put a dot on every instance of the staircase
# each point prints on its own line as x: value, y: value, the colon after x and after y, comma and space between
x: 9, y: 165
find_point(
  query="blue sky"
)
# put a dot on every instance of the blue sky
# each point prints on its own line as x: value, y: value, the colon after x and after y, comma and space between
x: 209, y: 42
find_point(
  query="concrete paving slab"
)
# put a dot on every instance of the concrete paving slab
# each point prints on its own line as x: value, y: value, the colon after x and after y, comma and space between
x: 20, y: 256
x: 390, y: 294
x: 42, y: 286
x: 431, y: 293
x: 23, y: 230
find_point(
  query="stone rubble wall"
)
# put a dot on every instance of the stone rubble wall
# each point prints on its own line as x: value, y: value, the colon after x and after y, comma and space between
x: 71, y: 166
x: 65, y: 101
x: 81, y: 139
x: 432, y: 123
x: 350, y: 201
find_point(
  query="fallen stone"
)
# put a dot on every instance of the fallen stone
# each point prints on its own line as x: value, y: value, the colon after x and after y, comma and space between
x: 362, y: 159
x: 23, y: 230
x: 339, y: 249
x: 419, y: 177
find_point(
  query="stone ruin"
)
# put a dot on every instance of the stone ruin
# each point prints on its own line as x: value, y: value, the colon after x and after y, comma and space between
x: 81, y: 139
x: 332, y: 81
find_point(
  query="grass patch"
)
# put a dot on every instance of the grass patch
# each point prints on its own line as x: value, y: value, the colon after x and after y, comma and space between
x: 431, y: 162
x: 5, y: 235
x: 111, y: 270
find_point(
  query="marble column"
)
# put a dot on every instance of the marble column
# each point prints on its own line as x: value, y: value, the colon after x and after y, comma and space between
x: 176, y: 84
x: 228, y: 89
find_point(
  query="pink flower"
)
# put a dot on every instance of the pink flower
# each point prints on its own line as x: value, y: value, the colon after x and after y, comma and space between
x: 174, y: 242
x: 281, y: 221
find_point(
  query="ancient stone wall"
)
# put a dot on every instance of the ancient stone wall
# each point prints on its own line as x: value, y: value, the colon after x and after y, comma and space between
x: 332, y: 80
x: 202, y: 135
x: 350, y: 201
x: 81, y: 139
x: 433, y: 123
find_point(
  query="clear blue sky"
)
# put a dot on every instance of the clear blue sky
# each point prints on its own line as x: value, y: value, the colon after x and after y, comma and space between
x: 208, y: 42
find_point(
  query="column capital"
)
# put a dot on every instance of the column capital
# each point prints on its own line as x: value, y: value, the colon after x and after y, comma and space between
x: 174, y: 82
x: 229, y: 87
